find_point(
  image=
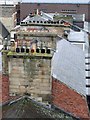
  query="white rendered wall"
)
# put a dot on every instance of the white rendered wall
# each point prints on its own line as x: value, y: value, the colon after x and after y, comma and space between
x: 68, y: 66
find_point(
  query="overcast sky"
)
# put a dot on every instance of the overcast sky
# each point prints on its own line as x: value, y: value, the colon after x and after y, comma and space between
x: 44, y: 1
x: 57, y: 1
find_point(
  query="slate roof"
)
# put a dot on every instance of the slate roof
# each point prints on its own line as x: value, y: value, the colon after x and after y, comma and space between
x: 43, y: 17
x: 35, y: 18
x: 26, y: 108
x: 3, y: 31
x: 68, y: 66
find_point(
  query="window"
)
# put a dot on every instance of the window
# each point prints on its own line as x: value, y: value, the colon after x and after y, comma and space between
x: 38, y: 4
x: 68, y: 11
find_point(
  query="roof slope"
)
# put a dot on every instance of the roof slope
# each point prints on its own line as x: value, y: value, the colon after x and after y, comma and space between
x: 3, y: 31
x: 35, y: 18
x: 26, y: 108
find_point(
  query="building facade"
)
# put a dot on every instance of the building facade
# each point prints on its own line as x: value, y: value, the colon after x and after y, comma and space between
x: 24, y: 9
x: 6, y: 16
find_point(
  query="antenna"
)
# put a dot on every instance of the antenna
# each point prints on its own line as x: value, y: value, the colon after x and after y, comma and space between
x: 16, y: 1
x: 5, y: 2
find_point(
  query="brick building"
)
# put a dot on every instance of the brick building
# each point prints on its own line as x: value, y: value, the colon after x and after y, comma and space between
x: 24, y: 9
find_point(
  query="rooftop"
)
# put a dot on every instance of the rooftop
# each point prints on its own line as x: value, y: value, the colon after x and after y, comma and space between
x: 26, y: 108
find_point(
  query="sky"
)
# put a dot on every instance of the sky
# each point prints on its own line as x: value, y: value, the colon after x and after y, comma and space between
x: 9, y: 1
x: 43, y: 1
x: 57, y: 1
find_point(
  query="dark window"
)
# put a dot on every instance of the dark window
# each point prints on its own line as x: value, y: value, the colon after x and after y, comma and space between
x: 87, y: 69
x: 37, y: 21
x: 87, y: 63
x: 45, y: 22
x: 17, y: 50
x: 88, y: 101
x: 41, y: 21
x: 88, y: 77
x: 48, y: 51
x: 22, y: 50
x: 37, y: 50
x: 38, y: 4
x: 27, y: 50
x: 42, y: 50
x: 87, y: 85
x: 52, y: 22
x: 15, y: 36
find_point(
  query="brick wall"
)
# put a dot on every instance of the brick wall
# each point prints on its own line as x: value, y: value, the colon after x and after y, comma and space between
x: 27, y: 8
x: 0, y: 88
x: 5, y: 88
x: 69, y: 100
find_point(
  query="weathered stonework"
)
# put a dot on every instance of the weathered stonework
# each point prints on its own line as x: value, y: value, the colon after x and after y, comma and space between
x: 30, y: 76
x: 6, y: 16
